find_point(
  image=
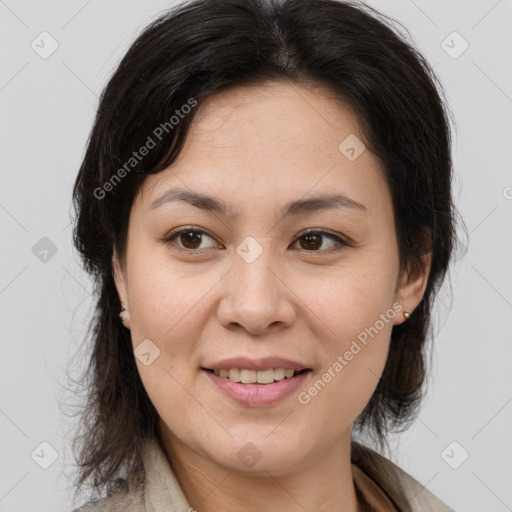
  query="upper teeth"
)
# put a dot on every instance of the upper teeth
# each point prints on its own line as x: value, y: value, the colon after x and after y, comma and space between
x: 253, y: 376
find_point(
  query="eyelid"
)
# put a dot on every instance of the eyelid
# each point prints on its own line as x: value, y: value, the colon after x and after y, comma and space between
x: 332, y: 234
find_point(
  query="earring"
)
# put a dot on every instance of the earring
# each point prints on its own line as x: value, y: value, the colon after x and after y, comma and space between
x: 123, y: 317
x: 407, y: 315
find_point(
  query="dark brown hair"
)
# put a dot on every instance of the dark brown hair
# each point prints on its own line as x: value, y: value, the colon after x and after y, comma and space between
x: 203, y: 47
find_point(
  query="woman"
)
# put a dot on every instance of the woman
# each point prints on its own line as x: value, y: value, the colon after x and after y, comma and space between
x: 265, y: 205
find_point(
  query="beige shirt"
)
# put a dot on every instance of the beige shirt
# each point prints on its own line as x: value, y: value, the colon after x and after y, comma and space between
x: 384, y: 485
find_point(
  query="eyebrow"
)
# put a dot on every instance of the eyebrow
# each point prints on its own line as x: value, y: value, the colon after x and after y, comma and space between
x: 299, y: 207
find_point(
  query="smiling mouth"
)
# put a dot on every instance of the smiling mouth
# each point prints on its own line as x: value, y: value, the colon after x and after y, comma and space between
x: 267, y: 376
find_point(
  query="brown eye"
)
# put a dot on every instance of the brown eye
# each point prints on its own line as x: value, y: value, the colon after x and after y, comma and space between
x: 189, y: 239
x: 313, y: 240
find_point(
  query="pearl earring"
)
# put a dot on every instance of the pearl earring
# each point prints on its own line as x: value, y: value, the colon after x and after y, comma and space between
x: 123, y: 317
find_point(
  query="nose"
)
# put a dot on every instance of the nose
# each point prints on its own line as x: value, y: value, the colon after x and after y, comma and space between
x: 256, y: 297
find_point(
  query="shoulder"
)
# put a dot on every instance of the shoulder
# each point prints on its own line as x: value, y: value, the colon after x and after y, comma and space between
x: 158, y: 489
x: 119, y: 501
x: 112, y: 504
x: 409, y: 494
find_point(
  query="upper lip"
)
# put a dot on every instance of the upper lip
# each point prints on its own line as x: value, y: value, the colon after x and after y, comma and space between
x: 256, y: 364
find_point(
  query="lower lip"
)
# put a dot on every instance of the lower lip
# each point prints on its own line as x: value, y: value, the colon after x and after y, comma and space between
x: 258, y: 394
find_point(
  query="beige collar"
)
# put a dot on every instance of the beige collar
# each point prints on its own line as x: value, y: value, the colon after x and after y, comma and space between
x: 407, y: 494
x: 372, y: 493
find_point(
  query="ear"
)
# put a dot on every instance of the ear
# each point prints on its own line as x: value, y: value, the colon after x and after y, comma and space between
x: 412, y: 286
x: 120, y: 279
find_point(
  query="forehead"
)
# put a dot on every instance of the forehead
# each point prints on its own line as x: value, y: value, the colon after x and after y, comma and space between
x: 286, y: 111
x: 276, y: 140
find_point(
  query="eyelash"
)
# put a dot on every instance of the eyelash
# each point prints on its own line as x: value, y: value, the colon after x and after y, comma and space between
x: 169, y: 239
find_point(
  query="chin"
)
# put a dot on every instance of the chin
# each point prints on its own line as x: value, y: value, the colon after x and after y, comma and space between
x: 259, y: 452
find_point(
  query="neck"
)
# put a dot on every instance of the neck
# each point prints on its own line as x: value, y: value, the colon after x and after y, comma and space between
x: 322, y: 484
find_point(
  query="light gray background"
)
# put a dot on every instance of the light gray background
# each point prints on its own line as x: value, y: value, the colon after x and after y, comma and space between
x: 47, y: 109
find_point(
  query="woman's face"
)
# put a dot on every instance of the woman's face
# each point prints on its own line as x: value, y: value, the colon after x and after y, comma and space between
x: 249, y: 290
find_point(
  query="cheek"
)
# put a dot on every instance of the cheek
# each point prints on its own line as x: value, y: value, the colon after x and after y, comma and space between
x: 351, y: 298
x: 169, y: 310
x: 164, y: 298
x: 351, y: 369
x: 356, y: 315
